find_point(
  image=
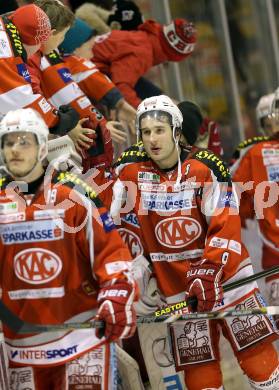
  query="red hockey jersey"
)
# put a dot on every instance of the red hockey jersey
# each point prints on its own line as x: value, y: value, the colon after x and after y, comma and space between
x: 56, y: 253
x: 183, y: 222
x: 257, y: 162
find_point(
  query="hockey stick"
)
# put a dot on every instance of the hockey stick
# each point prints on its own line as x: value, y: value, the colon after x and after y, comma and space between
x: 216, y: 315
x: 19, y: 326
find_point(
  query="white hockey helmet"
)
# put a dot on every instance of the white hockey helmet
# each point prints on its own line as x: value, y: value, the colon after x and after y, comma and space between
x: 264, y: 107
x: 275, y: 103
x: 25, y: 120
x: 161, y: 103
x: 155, y: 106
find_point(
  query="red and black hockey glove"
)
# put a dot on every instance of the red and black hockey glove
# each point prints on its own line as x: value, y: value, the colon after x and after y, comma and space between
x: 101, y: 152
x: 203, y: 282
x: 116, y: 309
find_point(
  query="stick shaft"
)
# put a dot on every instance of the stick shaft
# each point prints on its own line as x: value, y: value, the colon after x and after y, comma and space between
x: 251, y: 278
x: 38, y: 328
x: 269, y: 310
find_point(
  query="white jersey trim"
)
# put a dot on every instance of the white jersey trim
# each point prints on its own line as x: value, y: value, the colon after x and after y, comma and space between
x: 18, y: 97
x: 66, y: 95
x: 78, y: 77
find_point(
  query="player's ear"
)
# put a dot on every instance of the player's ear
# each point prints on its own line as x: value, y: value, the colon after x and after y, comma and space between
x: 43, y: 152
x: 177, y: 133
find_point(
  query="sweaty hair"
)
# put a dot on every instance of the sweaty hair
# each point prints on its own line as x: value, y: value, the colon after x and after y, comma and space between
x: 60, y: 16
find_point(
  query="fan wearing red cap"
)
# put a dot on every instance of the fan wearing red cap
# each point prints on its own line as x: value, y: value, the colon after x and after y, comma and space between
x: 178, y: 40
x: 33, y: 26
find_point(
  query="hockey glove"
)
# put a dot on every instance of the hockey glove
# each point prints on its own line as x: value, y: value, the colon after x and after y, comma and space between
x: 68, y: 119
x: 101, y: 152
x: 116, y: 309
x: 203, y: 282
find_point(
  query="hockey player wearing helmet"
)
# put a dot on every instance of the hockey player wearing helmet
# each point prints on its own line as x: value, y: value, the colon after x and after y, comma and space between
x: 267, y: 126
x: 23, y: 140
x: 263, y: 113
x: 53, y: 270
x: 155, y: 118
x: 275, y: 114
x: 190, y: 228
x: 258, y: 162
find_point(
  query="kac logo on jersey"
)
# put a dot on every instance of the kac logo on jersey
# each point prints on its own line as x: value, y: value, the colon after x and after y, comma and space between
x: 177, y: 232
x: 132, y: 240
x: 37, y: 265
x: 65, y: 75
x: 23, y: 71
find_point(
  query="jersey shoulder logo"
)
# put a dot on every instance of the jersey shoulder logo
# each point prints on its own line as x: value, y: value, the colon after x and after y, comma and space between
x: 73, y: 181
x: 252, y: 141
x: 17, y: 46
x: 134, y: 153
x: 54, y: 58
x: 249, y: 142
x: 215, y: 163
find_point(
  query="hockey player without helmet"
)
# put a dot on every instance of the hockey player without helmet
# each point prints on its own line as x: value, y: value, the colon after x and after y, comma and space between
x: 157, y: 107
x: 29, y: 121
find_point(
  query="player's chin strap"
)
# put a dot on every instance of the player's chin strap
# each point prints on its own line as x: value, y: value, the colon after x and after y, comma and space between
x: 176, y: 143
